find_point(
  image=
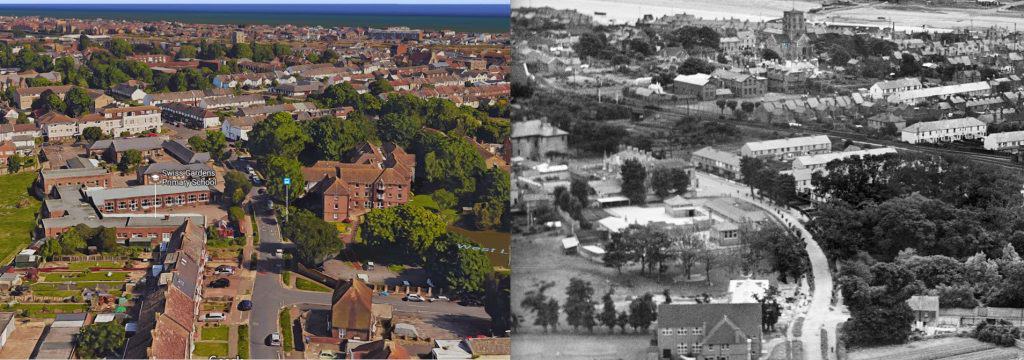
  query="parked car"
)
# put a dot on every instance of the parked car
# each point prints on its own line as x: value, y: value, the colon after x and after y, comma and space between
x: 439, y: 298
x: 414, y: 298
x: 220, y: 283
x: 214, y: 316
x: 245, y: 305
x: 274, y: 339
x: 279, y: 252
x: 224, y: 270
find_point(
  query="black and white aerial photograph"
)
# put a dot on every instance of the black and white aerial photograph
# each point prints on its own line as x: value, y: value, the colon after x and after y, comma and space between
x: 767, y: 179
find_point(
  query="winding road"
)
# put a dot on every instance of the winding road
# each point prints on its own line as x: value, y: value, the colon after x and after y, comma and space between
x: 819, y: 313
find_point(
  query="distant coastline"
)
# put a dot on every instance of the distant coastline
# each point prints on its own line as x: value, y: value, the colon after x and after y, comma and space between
x: 489, y: 18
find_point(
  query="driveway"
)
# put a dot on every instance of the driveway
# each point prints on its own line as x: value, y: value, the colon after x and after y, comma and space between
x: 820, y: 314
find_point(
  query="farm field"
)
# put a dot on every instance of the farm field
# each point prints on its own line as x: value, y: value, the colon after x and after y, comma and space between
x: 17, y: 214
x: 934, y: 349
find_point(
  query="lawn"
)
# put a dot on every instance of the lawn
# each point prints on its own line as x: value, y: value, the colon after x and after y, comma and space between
x: 427, y: 202
x: 45, y: 310
x: 285, y: 322
x: 78, y: 285
x: 569, y: 346
x: 85, y: 265
x: 310, y: 285
x: 243, y: 341
x: 85, y: 276
x: 286, y: 278
x: 208, y: 349
x: 17, y: 213
x: 925, y: 350
x: 215, y: 333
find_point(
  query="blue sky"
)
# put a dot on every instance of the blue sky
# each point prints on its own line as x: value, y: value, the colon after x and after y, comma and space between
x: 38, y: 2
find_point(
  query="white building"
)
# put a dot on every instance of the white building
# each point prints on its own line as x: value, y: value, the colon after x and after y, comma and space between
x: 787, y: 149
x: 1010, y: 140
x: 911, y: 97
x: 238, y: 127
x: 805, y: 166
x: 882, y: 89
x: 943, y: 130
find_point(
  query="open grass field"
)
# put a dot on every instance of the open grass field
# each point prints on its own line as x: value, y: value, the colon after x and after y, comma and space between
x: 215, y: 333
x: 933, y: 349
x: 17, y: 214
x: 568, y: 346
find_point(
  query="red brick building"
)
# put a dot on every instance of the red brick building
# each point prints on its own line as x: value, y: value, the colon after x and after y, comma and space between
x: 87, y: 177
x: 372, y: 177
x: 141, y: 199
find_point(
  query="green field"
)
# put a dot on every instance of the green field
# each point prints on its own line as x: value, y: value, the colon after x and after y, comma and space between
x: 208, y: 349
x: 215, y: 333
x: 16, y: 223
x: 310, y: 285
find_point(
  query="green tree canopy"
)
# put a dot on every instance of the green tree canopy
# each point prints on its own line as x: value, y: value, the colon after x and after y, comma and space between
x: 101, y: 340
x: 278, y: 135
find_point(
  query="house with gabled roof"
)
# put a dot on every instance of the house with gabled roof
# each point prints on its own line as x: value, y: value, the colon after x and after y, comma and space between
x: 709, y: 331
x: 352, y: 311
x: 370, y: 177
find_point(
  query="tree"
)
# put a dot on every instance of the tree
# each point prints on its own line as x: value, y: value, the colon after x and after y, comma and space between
x: 622, y: 320
x: 236, y: 186
x: 241, y: 51
x: 278, y: 135
x: 335, y: 136
x: 380, y: 86
x: 769, y: 54
x: 84, y: 42
x: 404, y: 234
x: 608, y: 316
x: 721, y: 105
x: 642, y: 312
x: 545, y: 309
x: 783, y: 249
x: 120, y: 48
x: 693, y: 65
x: 398, y: 128
x: 187, y: 52
x: 92, y: 133
x: 579, y: 304
x: 48, y: 101
x: 498, y: 300
x: 130, y: 160
x: 216, y: 144
x: 909, y: 65
x: 100, y: 340
x: 457, y: 264
x: 592, y: 45
x: 690, y: 37
x: 14, y: 163
x: 633, y: 177
x: 666, y: 181
x: 580, y: 190
x: 315, y: 239
x: 277, y: 169
x: 77, y: 102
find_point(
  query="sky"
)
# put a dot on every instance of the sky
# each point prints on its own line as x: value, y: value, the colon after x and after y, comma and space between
x: 414, y: 2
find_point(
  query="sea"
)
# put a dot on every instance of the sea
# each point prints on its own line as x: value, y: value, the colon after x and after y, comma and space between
x: 476, y: 18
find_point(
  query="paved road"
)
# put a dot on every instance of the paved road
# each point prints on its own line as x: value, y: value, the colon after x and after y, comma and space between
x: 269, y: 294
x: 819, y: 312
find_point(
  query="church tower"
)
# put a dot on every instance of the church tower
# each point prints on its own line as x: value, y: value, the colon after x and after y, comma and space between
x: 793, y: 23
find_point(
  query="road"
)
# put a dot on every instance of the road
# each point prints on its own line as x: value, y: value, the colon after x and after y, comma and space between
x: 270, y: 294
x: 819, y: 312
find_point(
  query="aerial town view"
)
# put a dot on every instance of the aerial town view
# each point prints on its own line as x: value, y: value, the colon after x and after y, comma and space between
x: 255, y: 181
x: 767, y: 179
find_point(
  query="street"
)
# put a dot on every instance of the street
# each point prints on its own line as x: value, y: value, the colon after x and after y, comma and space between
x: 270, y: 294
x: 819, y: 313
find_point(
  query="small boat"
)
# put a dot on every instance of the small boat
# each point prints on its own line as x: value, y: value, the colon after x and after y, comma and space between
x: 600, y: 13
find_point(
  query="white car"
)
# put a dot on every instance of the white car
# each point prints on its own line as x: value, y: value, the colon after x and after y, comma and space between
x: 439, y: 298
x: 414, y: 298
x: 275, y: 339
x: 279, y: 252
x: 214, y: 316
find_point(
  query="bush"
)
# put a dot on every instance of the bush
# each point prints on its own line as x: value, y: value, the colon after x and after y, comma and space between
x: 1002, y: 333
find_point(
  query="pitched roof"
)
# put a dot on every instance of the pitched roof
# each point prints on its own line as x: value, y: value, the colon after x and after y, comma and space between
x: 535, y: 128
x: 352, y: 305
x: 789, y: 142
x: 54, y: 117
x: 716, y: 319
x: 943, y: 125
x: 380, y: 349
